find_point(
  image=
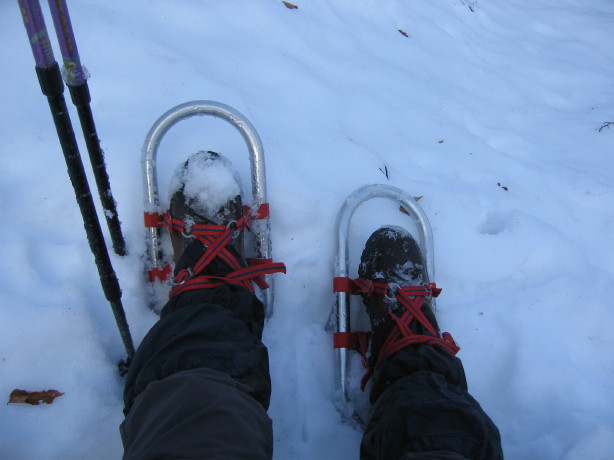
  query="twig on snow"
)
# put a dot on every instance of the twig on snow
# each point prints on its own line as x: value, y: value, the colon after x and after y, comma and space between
x: 606, y: 124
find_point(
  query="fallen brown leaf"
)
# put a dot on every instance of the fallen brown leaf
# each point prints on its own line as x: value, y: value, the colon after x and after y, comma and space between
x: 290, y: 5
x: 33, y: 397
x: 405, y: 211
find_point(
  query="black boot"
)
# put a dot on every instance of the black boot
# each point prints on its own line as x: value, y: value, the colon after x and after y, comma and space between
x: 392, y: 257
x: 420, y: 404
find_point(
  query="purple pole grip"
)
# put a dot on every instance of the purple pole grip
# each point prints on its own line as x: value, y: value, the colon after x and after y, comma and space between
x: 74, y: 74
x: 37, y: 33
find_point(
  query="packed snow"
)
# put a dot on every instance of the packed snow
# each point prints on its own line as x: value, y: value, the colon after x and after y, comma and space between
x: 208, y: 181
x: 495, y: 113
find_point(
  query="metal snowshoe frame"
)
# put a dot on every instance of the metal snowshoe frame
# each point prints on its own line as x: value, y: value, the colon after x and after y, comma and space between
x: 260, y: 228
x: 342, y: 260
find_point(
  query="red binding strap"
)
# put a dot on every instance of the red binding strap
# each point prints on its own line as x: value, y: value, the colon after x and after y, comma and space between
x: 153, y: 219
x: 342, y: 284
x: 216, y: 239
x: 358, y: 341
x: 412, y: 298
x: 263, y: 211
x: 352, y: 286
x: 259, y: 261
x: 242, y: 277
x: 156, y: 219
x: 160, y: 274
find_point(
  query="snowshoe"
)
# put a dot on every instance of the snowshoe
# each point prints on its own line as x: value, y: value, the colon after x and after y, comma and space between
x: 207, y: 216
x: 395, y: 282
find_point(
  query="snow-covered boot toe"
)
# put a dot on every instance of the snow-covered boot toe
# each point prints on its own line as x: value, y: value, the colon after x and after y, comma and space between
x: 204, y: 191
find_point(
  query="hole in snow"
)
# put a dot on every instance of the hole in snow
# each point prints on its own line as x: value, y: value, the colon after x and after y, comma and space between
x: 493, y: 225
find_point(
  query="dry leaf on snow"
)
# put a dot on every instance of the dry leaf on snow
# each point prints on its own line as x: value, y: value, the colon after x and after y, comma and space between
x: 405, y: 211
x: 34, y: 397
x: 290, y: 5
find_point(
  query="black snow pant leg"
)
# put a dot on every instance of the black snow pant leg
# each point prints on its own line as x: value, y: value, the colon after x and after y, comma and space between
x: 199, y: 385
x: 422, y: 411
x: 200, y: 413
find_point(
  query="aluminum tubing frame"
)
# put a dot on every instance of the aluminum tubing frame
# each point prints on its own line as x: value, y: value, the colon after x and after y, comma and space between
x: 261, y: 229
x: 342, y: 299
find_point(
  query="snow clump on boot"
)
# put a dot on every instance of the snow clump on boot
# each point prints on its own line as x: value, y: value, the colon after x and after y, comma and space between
x: 209, y: 182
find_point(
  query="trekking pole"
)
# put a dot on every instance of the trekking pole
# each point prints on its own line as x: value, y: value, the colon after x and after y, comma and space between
x: 76, y: 80
x: 50, y: 80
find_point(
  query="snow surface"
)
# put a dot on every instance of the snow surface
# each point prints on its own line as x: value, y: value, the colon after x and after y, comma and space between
x: 488, y: 110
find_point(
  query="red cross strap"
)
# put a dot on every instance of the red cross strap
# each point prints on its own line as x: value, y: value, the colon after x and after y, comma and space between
x: 216, y: 238
x: 412, y: 298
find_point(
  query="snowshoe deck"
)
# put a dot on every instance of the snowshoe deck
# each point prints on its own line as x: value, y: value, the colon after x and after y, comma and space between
x: 346, y: 340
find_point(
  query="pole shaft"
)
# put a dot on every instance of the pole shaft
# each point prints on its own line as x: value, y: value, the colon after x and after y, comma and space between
x: 74, y: 73
x: 37, y: 33
x: 80, y: 96
x: 52, y: 86
x: 50, y: 80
